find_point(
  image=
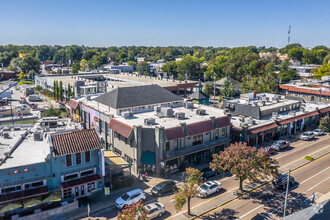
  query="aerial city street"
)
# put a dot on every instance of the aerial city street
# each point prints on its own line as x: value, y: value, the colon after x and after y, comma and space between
x: 175, y: 110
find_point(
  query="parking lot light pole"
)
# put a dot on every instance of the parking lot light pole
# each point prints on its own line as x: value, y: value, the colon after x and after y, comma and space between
x: 286, y: 194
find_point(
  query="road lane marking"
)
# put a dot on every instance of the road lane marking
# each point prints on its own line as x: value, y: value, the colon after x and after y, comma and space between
x: 282, y: 193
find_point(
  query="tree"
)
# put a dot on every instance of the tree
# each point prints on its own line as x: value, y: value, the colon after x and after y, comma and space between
x: 61, y: 91
x: 208, y: 89
x: 323, y: 70
x: 320, y: 55
x: 143, y: 68
x: 132, y: 63
x: 270, y: 67
x: 296, y: 53
x: 325, y: 124
x: 30, y: 63
x: 69, y: 93
x: 83, y: 64
x: 228, y: 89
x: 189, y: 67
x: 216, y: 68
x: 284, y: 66
x: 326, y: 59
x: 133, y: 212
x: 75, y: 67
x: 265, y: 83
x: 288, y: 76
x: 289, y: 47
x: 31, y: 74
x: 21, y: 77
x: 170, y: 68
x: 189, y: 189
x: 55, y: 89
x: 246, y: 163
x: 88, y: 54
x: 96, y: 61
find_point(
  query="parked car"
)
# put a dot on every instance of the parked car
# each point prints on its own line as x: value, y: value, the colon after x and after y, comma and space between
x: 269, y: 150
x: 154, y: 210
x: 281, y: 181
x: 209, y: 188
x: 208, y: 173
x: 163, y: 188
x: 33, y: 106
x: 280, y: 145
x: 130, y: 198
x: 263, y: 216
x: 306, y: 136
x: 318, y: 132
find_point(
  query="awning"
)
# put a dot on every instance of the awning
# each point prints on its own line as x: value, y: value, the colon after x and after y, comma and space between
x: 113, y: 160
x: 81, y: 181
x: 28, y: 193
x: 11, y: 206
x: 148, y: 158
x: 53, y: 197
x: 27, y: 203
x: 263, y: 128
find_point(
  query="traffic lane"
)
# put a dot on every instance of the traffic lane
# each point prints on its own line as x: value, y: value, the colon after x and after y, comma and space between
x: 265, y: 198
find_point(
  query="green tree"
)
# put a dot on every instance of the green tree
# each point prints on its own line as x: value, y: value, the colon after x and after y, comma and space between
x: 228, y: 89
x: 246, y: 163
x: 75, y: 68
x: 83, y: 64
x: 59, y: 56
x: 289, y: 47
x: 325, y: 124
x: 320, y: 55
x: 189, y: 67
x: 31, y: 74
x: 96, y: 60
x: 296, y: 53
x: 326, y: 59
x: 69, y: 92
x: 61, y: 91
x: 143, y: 68
x: 30, y: 63
x: 55, y: 89
x: 323, y: 70
x: 189, y: 189
x: 170, y: 68
x: 216, y: 68
x: 321, y: 47
x: 133, y: 212
x: 21, y: 77
x: 309, y: 57
x: 284, y: 66
x: 270, y: 67
x: 208, y: 89
x: 132, y: 63
x: 5, y: 58
x: 88, y: 54
x: 288, y: 76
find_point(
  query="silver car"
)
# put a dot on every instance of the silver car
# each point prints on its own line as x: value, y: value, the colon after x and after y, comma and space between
x: 279, y: 145
x: 154, y: 210
x: 306, y: 136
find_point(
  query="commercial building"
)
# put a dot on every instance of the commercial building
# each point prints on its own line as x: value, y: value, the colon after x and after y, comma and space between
x: 55, y: 155
x: 121, y: 68
x: 258, y: 118
x: 154, y: 129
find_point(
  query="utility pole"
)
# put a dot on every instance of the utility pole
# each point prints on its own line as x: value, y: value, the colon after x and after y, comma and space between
x: 286, y: 194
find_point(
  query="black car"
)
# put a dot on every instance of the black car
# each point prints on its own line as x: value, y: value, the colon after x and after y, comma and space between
x: 163, y: 188
x: 281, y: 181
x: 208, y: 173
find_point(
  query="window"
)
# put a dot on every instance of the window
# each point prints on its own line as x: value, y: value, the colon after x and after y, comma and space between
x: 68, y: 160
x: 72, y: 176
x: 88, y: 172
x: 36, y: 184
x: 87, y: 156
x: 223, y: 131
x: 107, y: 129
x: 176, y: 145
x: 167, y: 146
x: 216, y: 134
x: 67, y: 193
x: 90, y: 187
x: 198, y: 139
x: 78, y: 158
x: 12, y: 189
x: 102, y: 127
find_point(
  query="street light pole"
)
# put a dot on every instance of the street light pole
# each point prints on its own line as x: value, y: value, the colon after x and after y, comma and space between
x: 214, y: 90
x: 286, y: 194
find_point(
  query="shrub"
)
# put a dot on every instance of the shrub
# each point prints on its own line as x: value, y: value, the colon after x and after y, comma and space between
x: 309, y: 158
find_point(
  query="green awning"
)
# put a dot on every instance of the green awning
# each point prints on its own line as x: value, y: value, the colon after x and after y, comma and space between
x: 31, y: 202
x: 11, y: 206
x: 53, y: 197
x: 148, y: 158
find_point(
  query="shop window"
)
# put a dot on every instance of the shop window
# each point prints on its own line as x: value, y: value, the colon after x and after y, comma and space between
x: 167, y: 146
x: 87, y: 156
x: 198, y: 139
x: 67, y: 193
x: 176, y: 145
x: 90, y: 187
x: 12, y: 189
x: 88, y: 172
x: 68, y: 160
x: 72, y: 176
x: 36, y: 184
x: 78, y: 158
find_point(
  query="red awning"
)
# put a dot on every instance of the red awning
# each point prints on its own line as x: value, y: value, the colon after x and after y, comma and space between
x: 174, y: 133
x: 296, y: 118
x: 28, y: 193
x: 325, y: 110
x: 263, y: 128
x: 120, y: 128
x: 81, y: 181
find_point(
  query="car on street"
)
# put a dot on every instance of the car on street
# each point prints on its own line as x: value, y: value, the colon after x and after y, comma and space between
x: 269, y: 150
x: 281, y: 181
x: 318, y: 132
x: 163, y: 188
x: 280, y: 145
x: 208, y: 173
x: 12, y: 79
x: 262, y: 216
x: 154, y: 210
x: 209, y: 188
x: 130, y: 198
x: 306, y: 136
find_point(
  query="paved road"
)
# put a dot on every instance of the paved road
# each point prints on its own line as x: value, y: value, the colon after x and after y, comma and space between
x: 313, y: 177
x: 297, y: 151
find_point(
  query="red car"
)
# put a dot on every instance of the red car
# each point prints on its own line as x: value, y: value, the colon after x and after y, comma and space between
x: 269, y: 150
x: 33, y: 106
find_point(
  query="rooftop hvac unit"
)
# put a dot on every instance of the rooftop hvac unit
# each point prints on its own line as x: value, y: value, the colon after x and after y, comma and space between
x: 250, y: 121
x: 302, y: 109
x: 189, y: 105
x: 149, y: 121
x: 6, y: 129
x: 157, y: 108
x: 292, y: 112
x: 6, y: 135
x: 200, y: 111
x: 38, y: 136
x: 168, y: 112
x: 180, y: 115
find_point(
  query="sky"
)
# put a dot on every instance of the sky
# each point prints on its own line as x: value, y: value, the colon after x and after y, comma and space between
x: 217, y: 23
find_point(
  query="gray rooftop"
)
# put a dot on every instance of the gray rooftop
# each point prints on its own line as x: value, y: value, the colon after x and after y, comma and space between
x: 199, y: 95
x: 124, y: 97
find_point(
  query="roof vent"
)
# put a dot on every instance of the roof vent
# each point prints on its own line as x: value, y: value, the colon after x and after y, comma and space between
x: 201, y: 112
x: 128, y: 114
x: 38, y: 136
x: 6, y: 135
x: 189, y: 105
x: 167, y: 112
x: 180, y: 115
x: 149, y: 121
x: 292, y: 112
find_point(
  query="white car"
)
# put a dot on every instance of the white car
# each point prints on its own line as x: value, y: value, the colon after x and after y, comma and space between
x: 306, y: 136
x: 318, y: 132
x: 209, y: 188
x: 130, y: 198
x: 154, y: 210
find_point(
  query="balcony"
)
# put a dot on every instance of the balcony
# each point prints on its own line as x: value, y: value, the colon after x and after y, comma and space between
x: 196, y: 148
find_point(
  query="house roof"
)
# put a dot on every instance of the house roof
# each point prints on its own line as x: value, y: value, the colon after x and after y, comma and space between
x: 124, y: 97
x: 75, y: 142
x: 305, y: 90
x: 120, y: 127
x: 199, y: 95
x: 200, y: 127
x: 73, y: 104
x: 174, y: 133
x: 222, y: 121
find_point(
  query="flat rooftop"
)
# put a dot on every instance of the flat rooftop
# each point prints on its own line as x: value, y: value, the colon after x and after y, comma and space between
x: 167, y: 122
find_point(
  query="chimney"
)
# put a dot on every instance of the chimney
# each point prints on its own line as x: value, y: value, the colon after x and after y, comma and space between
x: 254, y: 94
